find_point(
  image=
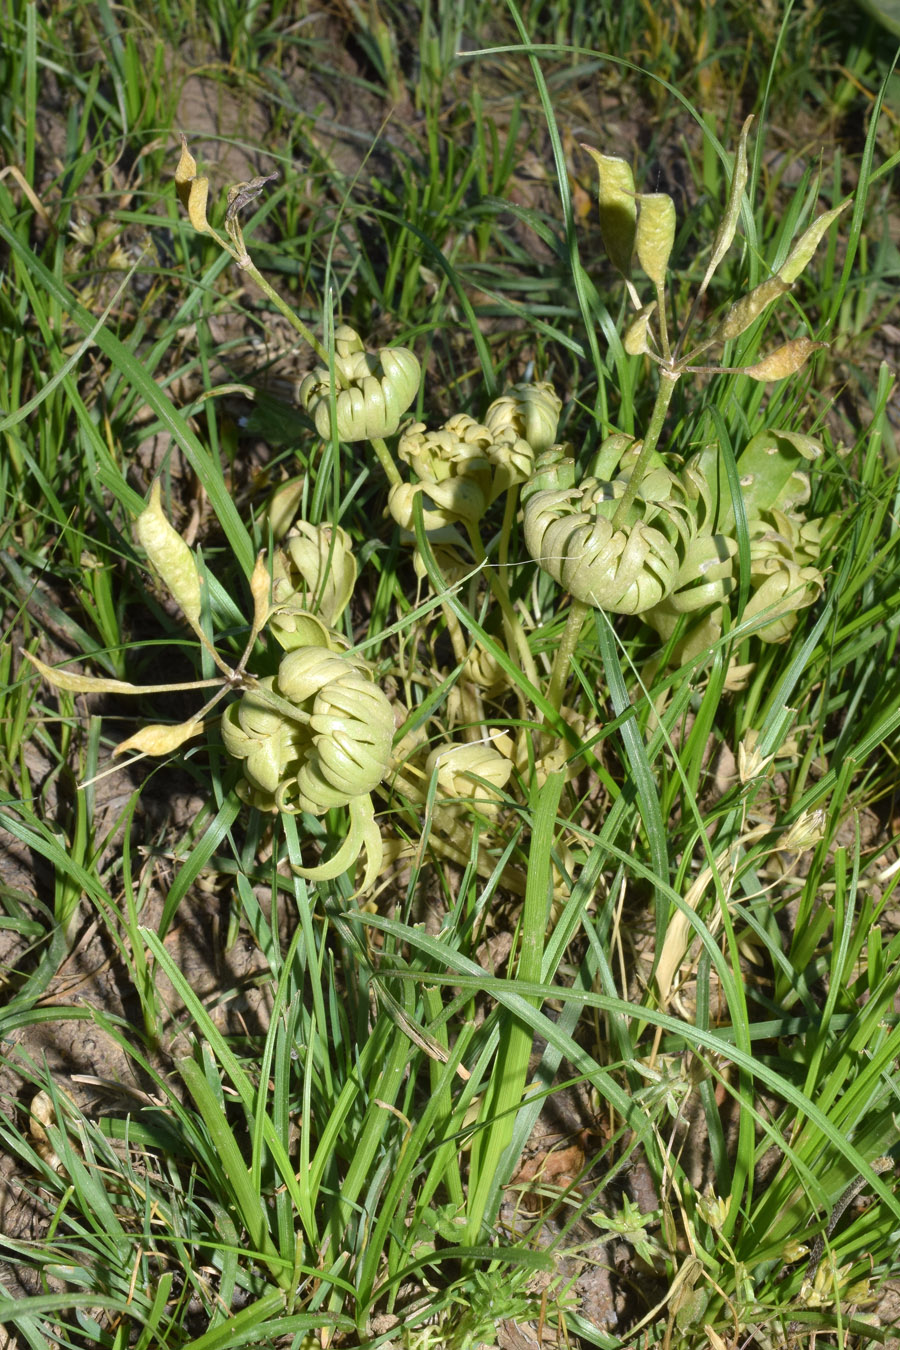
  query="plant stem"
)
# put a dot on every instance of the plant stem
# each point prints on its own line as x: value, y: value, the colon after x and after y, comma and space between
x: 565, y: 651
x: 515, y: 635
x: 282, y: 305
x: 246, y: 263
x: 385, y: 459
x: 667, y: 381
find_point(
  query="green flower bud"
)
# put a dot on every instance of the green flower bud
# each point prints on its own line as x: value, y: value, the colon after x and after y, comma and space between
x: 704, y: 578
x: 336, y: 748
x: 554, y: 469
x: 315, y: 572
x: 807, y: 831
x: 529, y: 411
x: 372, y: 393
x: 270, y: 746
x: 458, y: 449
x: 780, y: 590
x: 513, y: 459
x: 459, y: 769
x: 351, y: 726
x: 624, y: 571
x: 611, y: 454
x: 443, y: 504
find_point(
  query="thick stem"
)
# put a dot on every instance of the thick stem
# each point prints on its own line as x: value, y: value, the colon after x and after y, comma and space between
x: 667, y: 381
x: 392, y: 473
x: 564, y: 653
x: 509, y: 515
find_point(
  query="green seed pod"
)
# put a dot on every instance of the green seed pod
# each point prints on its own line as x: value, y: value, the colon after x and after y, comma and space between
x: 170, y: 556
x: 749, y: 307
x: 806, y: 245
x: 655, y: 234
x: 618, y: 208
x: 636, y: 341
x: 728, y: 223
x: 530, y: 411
x: 372, y: 394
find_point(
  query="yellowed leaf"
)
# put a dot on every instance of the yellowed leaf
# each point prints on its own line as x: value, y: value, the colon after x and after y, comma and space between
x: 157, y: 739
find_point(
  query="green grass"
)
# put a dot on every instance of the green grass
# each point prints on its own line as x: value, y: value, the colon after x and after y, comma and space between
x: 312, y: 1132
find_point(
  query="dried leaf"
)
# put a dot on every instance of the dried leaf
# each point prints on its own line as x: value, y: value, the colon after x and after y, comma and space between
x: 186, y: 169
x: 192, y: 191
x: 160, y: 740
x: 81, y: 684
x: 284, y: 505
x: 196, y: 204
x: 242, y: 194
x: 783, y: 361
x: 260, y: 589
